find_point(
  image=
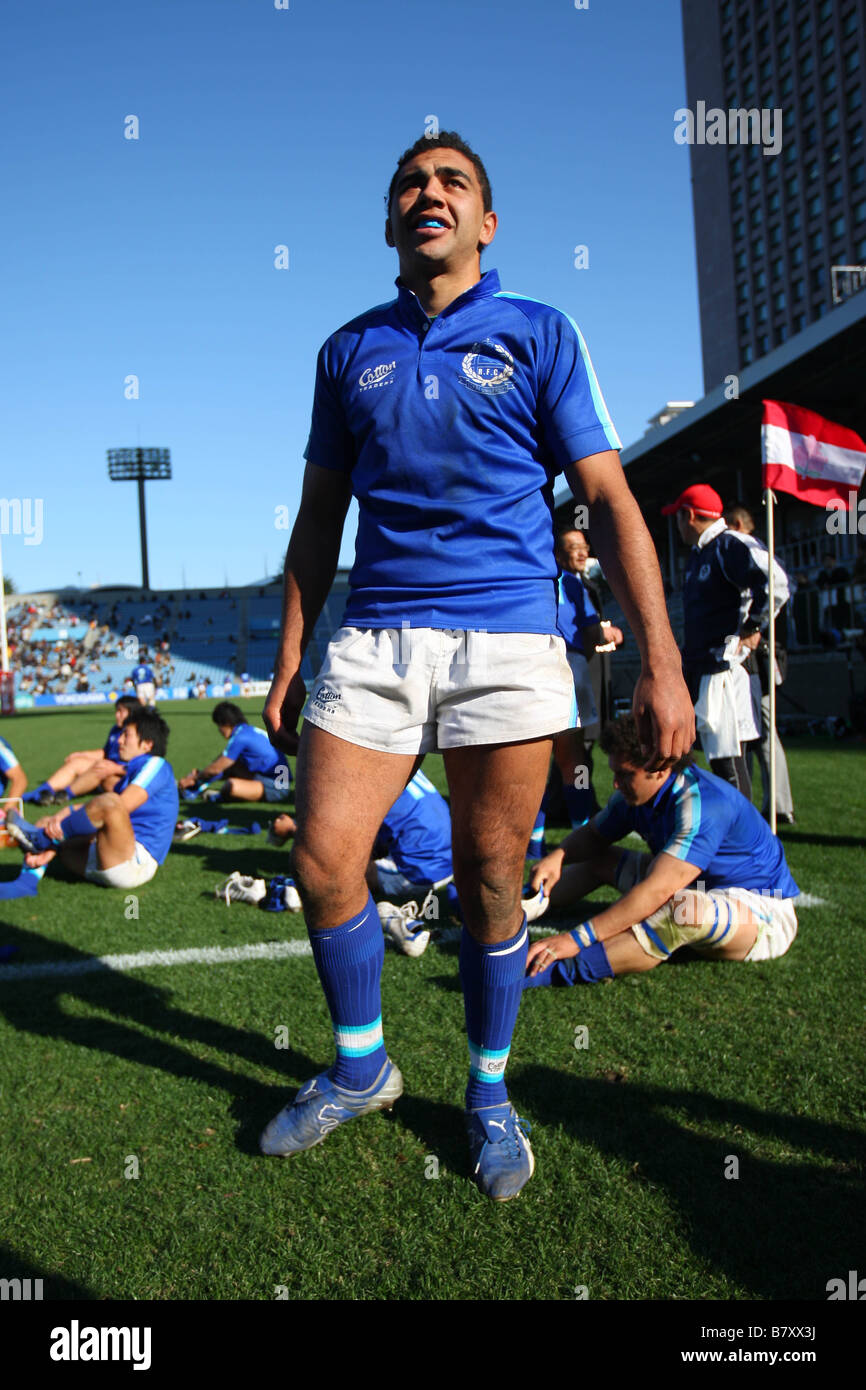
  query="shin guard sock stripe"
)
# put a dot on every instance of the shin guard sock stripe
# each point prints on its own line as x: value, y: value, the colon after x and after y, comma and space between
x: 349, y: 961
x: 492, y: 977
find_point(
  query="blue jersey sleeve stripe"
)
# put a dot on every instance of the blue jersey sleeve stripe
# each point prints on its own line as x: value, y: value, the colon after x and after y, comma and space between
x: 598, y: 400
x: 688, y: 821
x: 146, y: 774
x: 7, y: 757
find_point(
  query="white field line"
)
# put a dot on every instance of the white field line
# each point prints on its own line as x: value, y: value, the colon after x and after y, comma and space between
x: 221, y: 955
x: 194, y: 955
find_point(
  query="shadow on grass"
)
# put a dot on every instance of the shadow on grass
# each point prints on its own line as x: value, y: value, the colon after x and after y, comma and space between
x: 791, y: 835
x: 781, y: 1229
x: 54, y: 1286
x: 34, y: 1006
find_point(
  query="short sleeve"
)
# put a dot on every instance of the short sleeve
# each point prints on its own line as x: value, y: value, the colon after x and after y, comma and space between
x: 8, y: 759
x: 696, y: 835
x: 331, y: 443
x: 615, y: 821
x: 234, y: 747
x: 571, y: 407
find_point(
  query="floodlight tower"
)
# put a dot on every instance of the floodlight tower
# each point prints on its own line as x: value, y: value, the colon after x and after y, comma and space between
x: 140, y: 466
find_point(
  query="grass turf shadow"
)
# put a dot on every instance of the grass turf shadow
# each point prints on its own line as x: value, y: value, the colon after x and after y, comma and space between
x: 781, y: 1229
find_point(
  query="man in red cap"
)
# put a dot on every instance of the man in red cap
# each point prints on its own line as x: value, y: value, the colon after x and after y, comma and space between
x: 725, y: 607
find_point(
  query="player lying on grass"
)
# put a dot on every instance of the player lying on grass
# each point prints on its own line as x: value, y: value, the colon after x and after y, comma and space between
x: 716, y: 878
x: 13, y: 778
x: 411, y: 856
x: 88, y: 768
x: 250, y: 768
x: 120, y: 838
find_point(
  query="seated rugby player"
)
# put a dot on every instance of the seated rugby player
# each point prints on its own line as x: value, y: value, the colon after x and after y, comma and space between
x: 716, y: 878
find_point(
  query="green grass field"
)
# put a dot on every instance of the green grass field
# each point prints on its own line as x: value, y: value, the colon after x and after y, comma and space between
x: 171, y: 1072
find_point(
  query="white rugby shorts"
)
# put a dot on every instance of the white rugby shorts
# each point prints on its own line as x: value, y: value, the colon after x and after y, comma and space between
x: 132, y: 873
x: 587, y: 714
x: 422, y: 688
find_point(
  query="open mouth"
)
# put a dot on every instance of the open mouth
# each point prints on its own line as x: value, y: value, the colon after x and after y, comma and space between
x: 429, y: 224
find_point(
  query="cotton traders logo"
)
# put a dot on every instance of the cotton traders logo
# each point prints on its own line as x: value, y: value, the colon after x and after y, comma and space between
x: 371, y: 377
x: 488, y: 367
x: 327, y: 698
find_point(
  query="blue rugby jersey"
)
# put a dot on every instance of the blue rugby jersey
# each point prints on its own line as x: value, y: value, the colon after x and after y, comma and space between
x: 725, y: 592
x: 155, y: 819
x: 574, y: 611
x: 416, y: 833
x: 143, y: 675
x: 257, y: 751
x: 697, y: 817
x: 111, y: 748
x: 454, y: 430
x: 8, y: 760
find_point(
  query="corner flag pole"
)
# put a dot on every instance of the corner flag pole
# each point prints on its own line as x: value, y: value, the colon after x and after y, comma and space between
x: 771, y: 546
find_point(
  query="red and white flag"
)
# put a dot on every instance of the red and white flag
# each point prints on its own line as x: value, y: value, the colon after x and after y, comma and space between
x: 810, y: 457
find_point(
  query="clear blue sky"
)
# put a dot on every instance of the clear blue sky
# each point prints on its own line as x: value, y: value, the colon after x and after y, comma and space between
x: 260, y: 127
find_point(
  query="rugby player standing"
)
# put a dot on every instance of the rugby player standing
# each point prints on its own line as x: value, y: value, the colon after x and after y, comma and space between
x: 448, y: 413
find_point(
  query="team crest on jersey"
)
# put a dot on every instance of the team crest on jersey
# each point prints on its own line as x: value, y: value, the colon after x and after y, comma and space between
x: 371, y: 377
x: 488, y: 367
x: 704, y: 572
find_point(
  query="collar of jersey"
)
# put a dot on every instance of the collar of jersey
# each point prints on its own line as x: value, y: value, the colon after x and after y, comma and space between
x: 711, y: 532
x: 410, y: 305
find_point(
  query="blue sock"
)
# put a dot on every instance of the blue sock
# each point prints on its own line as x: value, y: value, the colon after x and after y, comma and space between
x: 349, y: 961
x: 77, y: 823
x: 492, y: 978
x: 26, y: 885
x: 561, y: 972
x: 536, y: 839
x: 578, y: 803
x: 592, y: 963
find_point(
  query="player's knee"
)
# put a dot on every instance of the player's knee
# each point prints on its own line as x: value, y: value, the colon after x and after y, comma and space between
x: 108, y: 804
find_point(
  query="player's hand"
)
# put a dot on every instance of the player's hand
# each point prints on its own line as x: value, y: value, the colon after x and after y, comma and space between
x: 283, y: 710
x: 547, y: 872
x: 613, y: 634
x: 541, y: 954
x: 189, y: 780
x: 751, y: 642
x: 52, y: 826
x: 665, y: 717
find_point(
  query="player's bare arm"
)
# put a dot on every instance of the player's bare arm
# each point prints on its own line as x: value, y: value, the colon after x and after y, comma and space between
x: 666, y: 877
x: 311, y: 563
x: 627, y: 555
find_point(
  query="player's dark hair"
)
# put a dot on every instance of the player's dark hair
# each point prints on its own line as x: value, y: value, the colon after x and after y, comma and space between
x: 445, y: 140
x: 129, y: 702
x: 228, y: 715
x: 620, y: 739
x: 737, y: 512
x: 151, y: 728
